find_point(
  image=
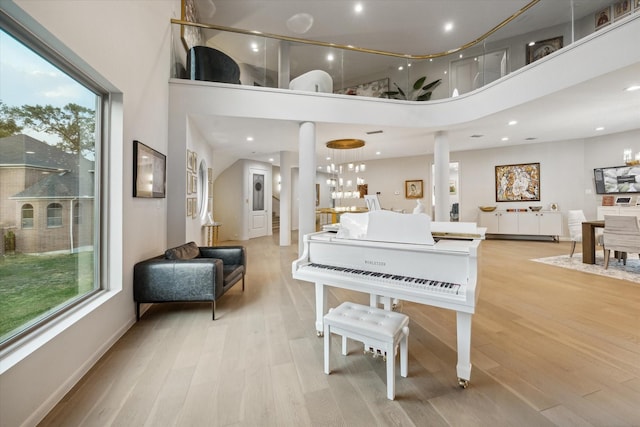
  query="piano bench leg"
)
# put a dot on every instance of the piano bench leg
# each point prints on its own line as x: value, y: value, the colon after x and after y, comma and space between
x: 355, y: 321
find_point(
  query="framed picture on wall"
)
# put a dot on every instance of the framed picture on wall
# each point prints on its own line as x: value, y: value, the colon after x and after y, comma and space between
x: 149, y: 172
x: 602, y: 17
x: 621, y: 9
x: 413, y: 189
x: 542, y: 48
x: 518, y: 183
x: 190, y: 160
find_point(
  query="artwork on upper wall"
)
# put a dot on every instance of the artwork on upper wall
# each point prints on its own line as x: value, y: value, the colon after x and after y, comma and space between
x: 373, y: 89
x: 603, y: 17
x: 543, y: 48
x: 621, y: 9
x: 518, y: 183
x: 413, y: 189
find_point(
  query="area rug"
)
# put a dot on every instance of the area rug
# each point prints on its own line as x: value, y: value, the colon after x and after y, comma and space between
x: 630, y: 272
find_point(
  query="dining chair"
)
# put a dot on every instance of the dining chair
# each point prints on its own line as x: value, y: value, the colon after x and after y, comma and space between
x: 575, y: 219
x: 622, y: 235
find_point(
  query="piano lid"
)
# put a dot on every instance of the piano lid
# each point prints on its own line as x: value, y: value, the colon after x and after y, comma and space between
x: 387, y: 226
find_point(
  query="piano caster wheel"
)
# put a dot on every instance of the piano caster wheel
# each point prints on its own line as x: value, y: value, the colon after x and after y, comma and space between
x: 463, y: 383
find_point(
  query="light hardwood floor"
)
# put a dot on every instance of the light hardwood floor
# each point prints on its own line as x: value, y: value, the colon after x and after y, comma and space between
x: 550, y: 346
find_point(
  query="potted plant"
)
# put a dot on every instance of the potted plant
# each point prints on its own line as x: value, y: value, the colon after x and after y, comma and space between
x: 418, y: 91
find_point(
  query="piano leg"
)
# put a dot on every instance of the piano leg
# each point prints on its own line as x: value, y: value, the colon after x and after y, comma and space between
x: 463, y: 368
x: 321, y: 304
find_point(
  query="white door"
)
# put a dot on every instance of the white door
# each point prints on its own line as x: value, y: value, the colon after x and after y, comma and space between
x: 258, y: 209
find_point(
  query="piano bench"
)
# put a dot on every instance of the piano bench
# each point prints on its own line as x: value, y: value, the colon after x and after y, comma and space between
x: 376, y: 328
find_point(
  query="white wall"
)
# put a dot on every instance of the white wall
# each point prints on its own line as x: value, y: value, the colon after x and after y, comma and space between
x: 128, y: 43
x: 231, y: 196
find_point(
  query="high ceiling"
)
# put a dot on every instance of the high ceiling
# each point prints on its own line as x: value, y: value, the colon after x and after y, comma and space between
x: 417, y: 27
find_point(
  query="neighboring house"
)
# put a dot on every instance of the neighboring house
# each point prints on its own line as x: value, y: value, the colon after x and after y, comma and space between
x: 46, y: 196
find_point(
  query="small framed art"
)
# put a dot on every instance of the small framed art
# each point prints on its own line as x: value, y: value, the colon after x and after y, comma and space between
x: 413, y: 189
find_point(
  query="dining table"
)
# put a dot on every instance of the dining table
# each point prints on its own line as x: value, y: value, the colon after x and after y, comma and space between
x: 589, y: 240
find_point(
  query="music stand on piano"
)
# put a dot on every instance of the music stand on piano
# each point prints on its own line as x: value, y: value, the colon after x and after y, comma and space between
x: 373, y: 203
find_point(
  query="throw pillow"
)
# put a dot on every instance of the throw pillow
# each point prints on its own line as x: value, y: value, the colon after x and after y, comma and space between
x: 187, y: 251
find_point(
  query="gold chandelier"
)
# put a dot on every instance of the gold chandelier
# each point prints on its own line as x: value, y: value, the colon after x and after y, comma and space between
x: 344, y: 168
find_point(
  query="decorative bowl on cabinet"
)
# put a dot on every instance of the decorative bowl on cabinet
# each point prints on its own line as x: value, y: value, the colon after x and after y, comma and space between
x: 487, y: 208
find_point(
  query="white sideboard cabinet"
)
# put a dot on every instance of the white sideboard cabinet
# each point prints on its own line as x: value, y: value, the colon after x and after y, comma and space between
x: 618, y: 210
x: 543, y: 223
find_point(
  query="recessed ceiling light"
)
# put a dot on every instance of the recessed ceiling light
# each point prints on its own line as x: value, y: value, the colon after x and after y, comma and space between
x: 30, y: 152
x: 505, y: 139
x: 378, y: 153
x: 632, y: 88
x: 599, y: 128
x: 330, y: 57
x: 249, y: 138
x: 271, y: 159
x: 532, y: 43
x: 358, y: 7
x: 400, y: 68
x: 254, y: 46
x: 328, y: 158
x: 460, y: 55
x: 513, y: 122
x: 448, y: 26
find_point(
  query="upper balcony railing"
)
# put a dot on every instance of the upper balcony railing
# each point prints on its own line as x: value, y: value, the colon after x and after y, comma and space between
x: 271, y: 60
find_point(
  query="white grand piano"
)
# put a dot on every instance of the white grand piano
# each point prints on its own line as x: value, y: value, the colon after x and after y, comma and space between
x: 394, y: 256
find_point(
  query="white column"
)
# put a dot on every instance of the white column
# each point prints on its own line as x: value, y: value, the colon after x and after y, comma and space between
x: 286, y: 162
x: 441, y: 176
x: 284, y: 69
x: 307, y: 181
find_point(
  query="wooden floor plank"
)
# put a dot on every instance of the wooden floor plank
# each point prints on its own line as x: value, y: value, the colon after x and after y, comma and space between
x: 550, y: 346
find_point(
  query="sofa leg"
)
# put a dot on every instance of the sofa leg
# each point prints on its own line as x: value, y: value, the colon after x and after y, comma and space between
x: 243, y: 283
x: 137, y: 311
x: 213, y: 310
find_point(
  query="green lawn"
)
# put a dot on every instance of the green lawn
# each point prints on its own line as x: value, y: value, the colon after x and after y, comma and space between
x: 31, y: 285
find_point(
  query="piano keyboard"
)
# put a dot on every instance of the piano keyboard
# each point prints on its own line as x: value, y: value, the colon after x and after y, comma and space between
x: 391, y: 279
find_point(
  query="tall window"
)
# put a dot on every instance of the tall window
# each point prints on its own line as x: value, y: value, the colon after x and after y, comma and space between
x: 54, y: 215
x: 27, y: 216
x: 48, y: 114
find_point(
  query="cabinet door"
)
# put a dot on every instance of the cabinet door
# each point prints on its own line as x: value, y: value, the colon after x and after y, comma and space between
x: 528, y: 223
x: 550, y: 223
x: 607, y: 210
x: 508, y: 223
x: 630, y: 211
x: 490, y: 221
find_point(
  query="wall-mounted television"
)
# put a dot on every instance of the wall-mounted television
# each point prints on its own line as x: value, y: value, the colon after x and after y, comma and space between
x: 617, y: 179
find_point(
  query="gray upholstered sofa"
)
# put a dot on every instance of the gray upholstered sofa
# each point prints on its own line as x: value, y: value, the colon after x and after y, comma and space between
x: 189, y: 273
